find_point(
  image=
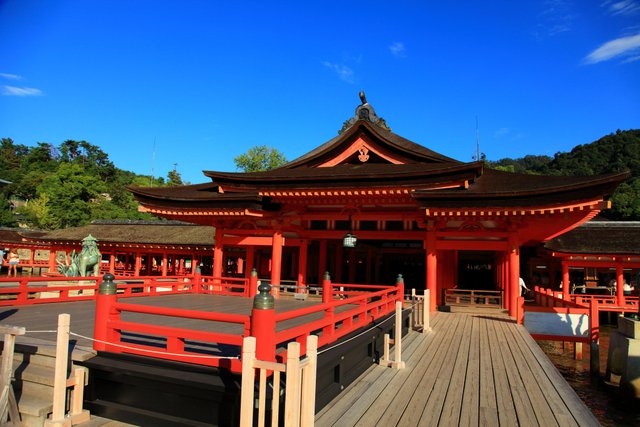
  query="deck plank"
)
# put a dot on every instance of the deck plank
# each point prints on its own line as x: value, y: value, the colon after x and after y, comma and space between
x: 390, y: 406
x: 425, y: 388
x: 471, y: 394
x: 488, y: 406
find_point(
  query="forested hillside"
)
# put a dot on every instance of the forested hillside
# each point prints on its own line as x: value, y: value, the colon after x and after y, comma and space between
x: 66, y: 186
x: 613, y: 153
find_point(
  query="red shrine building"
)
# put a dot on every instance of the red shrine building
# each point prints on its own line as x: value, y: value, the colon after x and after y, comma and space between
x: 369, y: 205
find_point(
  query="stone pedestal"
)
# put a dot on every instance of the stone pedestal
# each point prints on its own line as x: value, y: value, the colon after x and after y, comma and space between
x: 623, y: 361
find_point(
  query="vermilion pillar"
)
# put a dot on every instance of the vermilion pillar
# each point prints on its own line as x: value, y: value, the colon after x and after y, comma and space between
x: 302, y: 263
x: 566, y: 286
x: 619, y: 284
x: 514, y: 274
x: 250, y: 263
x: 218, y: 253
x: 276, y: 262
x: 322, y: 260
x: 432, y: 262
x: 112, y: 263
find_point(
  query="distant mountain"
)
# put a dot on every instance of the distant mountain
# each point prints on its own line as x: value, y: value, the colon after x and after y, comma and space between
x: 615, y: 152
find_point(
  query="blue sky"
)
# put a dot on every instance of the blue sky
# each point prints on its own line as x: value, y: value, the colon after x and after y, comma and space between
x: 208, y: 80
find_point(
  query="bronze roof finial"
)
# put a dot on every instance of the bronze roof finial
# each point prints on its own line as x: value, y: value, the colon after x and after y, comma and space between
x: 363, y: 97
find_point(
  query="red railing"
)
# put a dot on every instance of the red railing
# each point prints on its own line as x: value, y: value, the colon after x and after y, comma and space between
x: 44, y: 290
x: 331, y: 320
x: 167, y: 342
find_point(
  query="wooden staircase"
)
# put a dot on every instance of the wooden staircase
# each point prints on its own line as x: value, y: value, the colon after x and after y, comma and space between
x: 33, y: 376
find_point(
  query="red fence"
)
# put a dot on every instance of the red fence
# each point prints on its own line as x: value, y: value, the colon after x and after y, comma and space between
x: 29, y: 290
x: 332, y: 319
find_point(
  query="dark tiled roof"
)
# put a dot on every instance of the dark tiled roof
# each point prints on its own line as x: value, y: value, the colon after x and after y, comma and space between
x: 400, y: 144
x: 503, y: 189
x: 599, y: 237
x: 140, y: 232
x: 349, y: 175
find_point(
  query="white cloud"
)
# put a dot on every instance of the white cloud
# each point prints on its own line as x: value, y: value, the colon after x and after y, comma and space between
x: 618, y: 48
x: 344, y: 73
x: 623, y: 7
x: 501, y: 132
x: 21, y: 91
x: 398, y: 49
x: 556, y: 18
x: 10, y: 76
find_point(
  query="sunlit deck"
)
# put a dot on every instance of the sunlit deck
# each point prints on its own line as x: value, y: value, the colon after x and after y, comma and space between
x: 478, y: 370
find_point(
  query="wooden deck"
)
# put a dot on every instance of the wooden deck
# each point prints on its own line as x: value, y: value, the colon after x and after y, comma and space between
x: 472, y: 369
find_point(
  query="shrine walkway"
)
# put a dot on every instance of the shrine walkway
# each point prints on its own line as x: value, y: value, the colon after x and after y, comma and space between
x: 472, y: 369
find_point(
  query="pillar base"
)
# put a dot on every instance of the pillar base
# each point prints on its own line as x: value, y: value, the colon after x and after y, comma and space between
x: 623, y: 360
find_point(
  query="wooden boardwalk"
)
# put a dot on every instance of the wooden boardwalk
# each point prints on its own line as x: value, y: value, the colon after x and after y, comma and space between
x: 471, y: 370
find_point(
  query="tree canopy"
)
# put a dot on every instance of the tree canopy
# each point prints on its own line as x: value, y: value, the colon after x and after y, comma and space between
x: 259, y: 158
x: 66, y: 186
x: 616, y: 152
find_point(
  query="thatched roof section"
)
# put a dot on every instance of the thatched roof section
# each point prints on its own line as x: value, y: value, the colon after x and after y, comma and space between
x: 599, y: 237
x: 136, y: 232
x: 21, y: 236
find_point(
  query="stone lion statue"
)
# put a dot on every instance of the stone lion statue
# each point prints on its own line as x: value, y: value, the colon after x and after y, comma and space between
x: 85, y: 262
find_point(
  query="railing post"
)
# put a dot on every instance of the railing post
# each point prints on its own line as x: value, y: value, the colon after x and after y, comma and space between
x: 308, y: 408
x: 520, y: 312
x: 426, y: 326
x: 106, y: 298
x: 60, y: 377
x: 23, y: 293
x: 327, y: 289
x: 197, y: 281
x: 263, y: 324
x: 594, y: 333
x: 248, y: 382
x: 400, y: 285
x: 292, y: 391
x: 253, y: 283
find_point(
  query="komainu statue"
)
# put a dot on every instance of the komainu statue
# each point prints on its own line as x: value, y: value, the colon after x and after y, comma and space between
x: 87, y: 261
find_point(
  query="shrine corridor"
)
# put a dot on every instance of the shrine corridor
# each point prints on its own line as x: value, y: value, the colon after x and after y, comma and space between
x: 472, y: 369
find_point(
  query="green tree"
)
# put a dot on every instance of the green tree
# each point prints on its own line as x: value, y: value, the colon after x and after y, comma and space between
x: 7, y: 217
x: 71, y: 194
x: 260, y: 158
x: 174, y: 178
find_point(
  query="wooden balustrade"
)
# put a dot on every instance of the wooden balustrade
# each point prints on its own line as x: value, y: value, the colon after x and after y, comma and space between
x: 473, y: 297
x: 300, y: 386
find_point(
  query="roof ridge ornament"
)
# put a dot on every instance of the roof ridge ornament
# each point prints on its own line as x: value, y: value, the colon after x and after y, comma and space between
x: 365, y: 112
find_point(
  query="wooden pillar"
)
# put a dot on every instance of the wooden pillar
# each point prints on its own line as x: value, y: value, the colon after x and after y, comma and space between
x: 218, y: 253
x: 276, y: 262
x: 369, y: 266
x: 432, y: 262
x: 52, y: 260
x: 514, y: 274
x: 322, y: 260
x: 138, y: 264
x: 339, y: 263
x: 566, y: 286
x: 303, y: 252
x: 619, y: 283
x: 353, y: 265
x: 165, y: 261
x: 194, y: 262
x: 250, y: 264
x: 112, y: 263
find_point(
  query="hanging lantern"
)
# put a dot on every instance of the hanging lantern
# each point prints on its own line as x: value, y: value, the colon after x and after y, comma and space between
x: 349, y: 241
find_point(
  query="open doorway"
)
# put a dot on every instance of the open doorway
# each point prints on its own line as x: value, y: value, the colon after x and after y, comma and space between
x: 477, y: 270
